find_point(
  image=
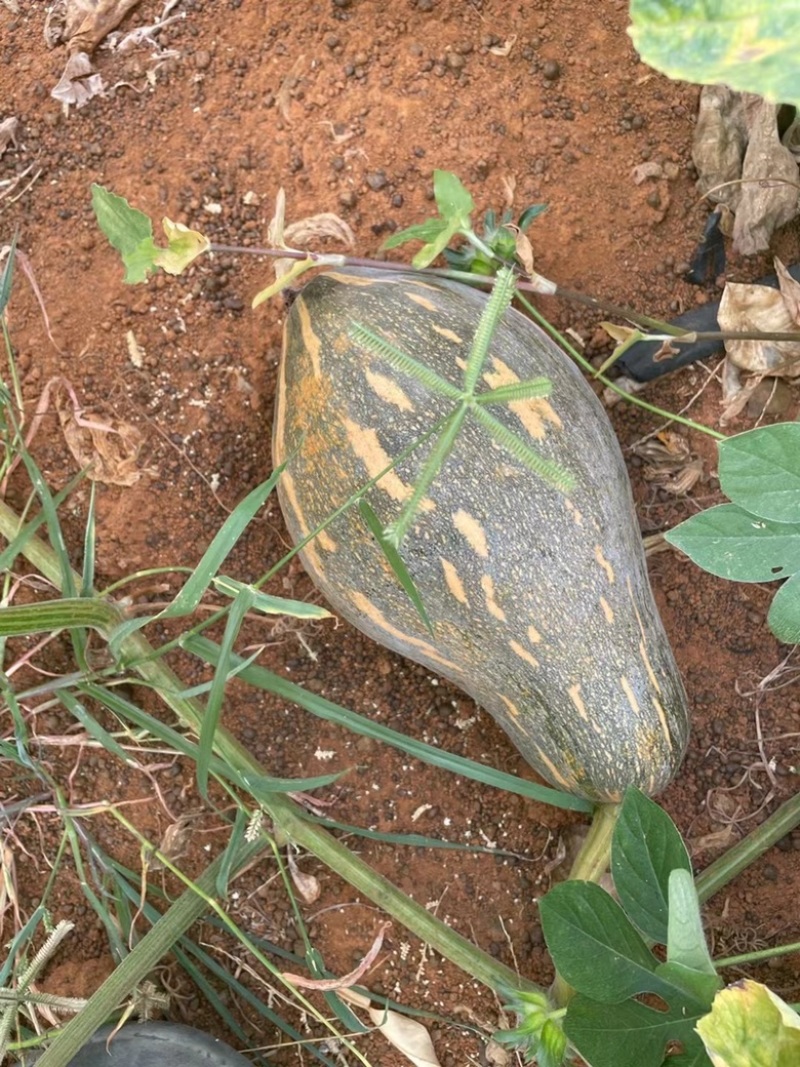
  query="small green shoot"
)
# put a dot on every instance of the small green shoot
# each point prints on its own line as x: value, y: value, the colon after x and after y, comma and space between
x: 130, y: 232
x: 455, y: 210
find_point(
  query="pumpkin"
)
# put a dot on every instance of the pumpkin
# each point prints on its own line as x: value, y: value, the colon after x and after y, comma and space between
x: 538, y: 598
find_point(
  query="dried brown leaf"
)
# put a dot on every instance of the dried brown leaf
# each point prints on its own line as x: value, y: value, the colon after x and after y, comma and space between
x: 327, y: 984
x: 8, y: 133
x: 87, y: 22
x: 306, y: 884
x: 748, y: 308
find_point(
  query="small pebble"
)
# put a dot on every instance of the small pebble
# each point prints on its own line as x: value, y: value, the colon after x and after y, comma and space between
x: 551, y: 70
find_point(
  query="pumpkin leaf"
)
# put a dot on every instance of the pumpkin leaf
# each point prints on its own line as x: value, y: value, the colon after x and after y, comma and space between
x: 732, y: 543
x: 645, y: 848
x: 784, y: 612
x: 594, y: 945
x: 686, y: 944
x: 749, y: 45
x: 760, y: 471
x: 635, y: 1035
x: 128, y: 230
x: 749, y: 1026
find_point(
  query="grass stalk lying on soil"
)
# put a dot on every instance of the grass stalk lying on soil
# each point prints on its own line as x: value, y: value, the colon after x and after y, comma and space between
x: 143, y: 658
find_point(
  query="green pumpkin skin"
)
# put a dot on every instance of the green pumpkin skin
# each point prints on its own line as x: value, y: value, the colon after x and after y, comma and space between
x: 540, y: 600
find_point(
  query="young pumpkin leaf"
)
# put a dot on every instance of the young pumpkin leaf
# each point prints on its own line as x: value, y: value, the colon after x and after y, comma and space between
x: 686, y: 940
x: 645, y: 849
x: 635, y: 1035
x: 732, y: 543
x: 760, y: 471
x: 128, y: 230
x: 749, y: 1026
x: 750, y: 46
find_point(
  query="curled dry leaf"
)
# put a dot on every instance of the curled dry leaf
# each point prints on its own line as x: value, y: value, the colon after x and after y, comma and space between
x: 643, y: 171
x: 406, y: 1035
x: 87, y: 22
x: 327, y: 984
x: 504, y: 49
x: 748, y: 308
x: 8, y: 133
x: 79, y: 82
x: 108, y: 450
x: 305, y: 884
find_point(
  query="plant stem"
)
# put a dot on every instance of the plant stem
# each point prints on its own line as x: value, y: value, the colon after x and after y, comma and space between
x: 590, y: 865
x: 754, y: 957
x: 736, y: 859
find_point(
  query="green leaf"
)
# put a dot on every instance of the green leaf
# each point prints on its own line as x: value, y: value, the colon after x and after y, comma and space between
x: 686, y: 940
x: 270, y: 605
x: 633, y: 1034
x: 594, y: 946
x: 452, y: 198
x: 784, y: 613
x: 221, y: 547
x: 395, y: 561
x: 271, y: 682
x: 696, y: 984
x: 733, y: 543
x: 426, y: 231
x: 129, y: 231
x: 428, y: 253
x: 645, y: 849
x: 749, y: 1026
x: 760, y: 471
x: 750, y: 45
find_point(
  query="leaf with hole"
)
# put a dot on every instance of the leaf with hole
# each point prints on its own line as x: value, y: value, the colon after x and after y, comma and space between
x: 732, y: 543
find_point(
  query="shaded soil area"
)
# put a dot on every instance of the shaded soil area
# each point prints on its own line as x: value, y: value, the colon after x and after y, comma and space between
x: 349, y: 107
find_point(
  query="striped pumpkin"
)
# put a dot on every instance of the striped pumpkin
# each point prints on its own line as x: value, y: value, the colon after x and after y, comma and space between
x: 540, y: 601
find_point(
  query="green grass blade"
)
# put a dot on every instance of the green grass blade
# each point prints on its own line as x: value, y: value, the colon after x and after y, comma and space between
x: 388, y: 352
x: 89, y: 546
x: 534, y: 389
x: 545, y: 468
x: 93, y: 727
x: 442, y: 447
x: 222, y: 674
x: 270, y: 605
x: 17, y: 944
x: 7, y: 277
x: 25, y: 534
x: 57, y: 615
x: 227, y: 862
x: 395, y: 561
x: 21, y: 736
x: 498, y: 303
x: 262, y: 678
x: 220, y: 548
